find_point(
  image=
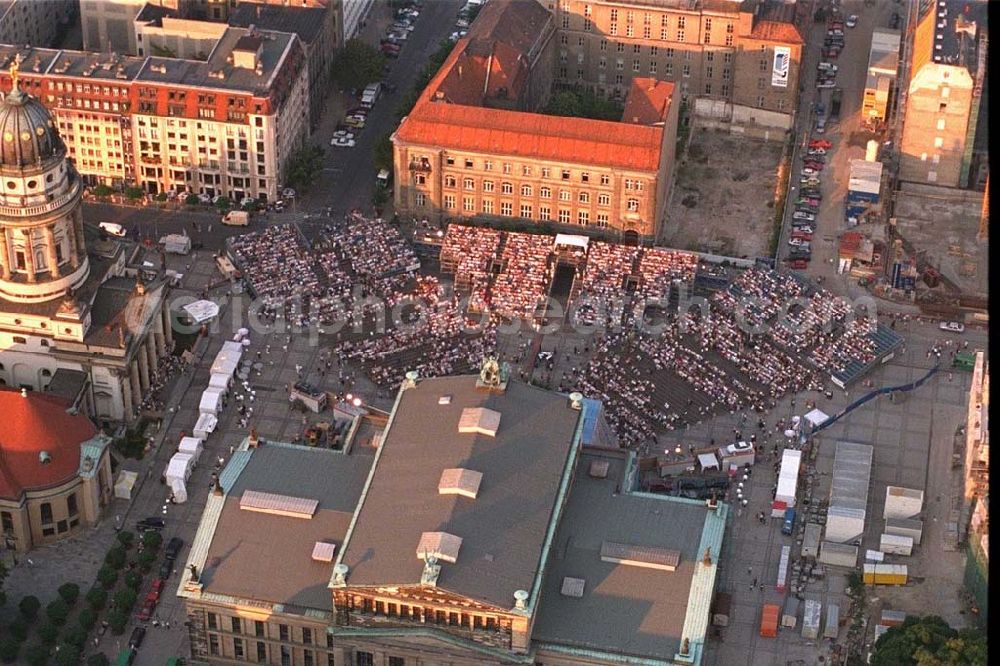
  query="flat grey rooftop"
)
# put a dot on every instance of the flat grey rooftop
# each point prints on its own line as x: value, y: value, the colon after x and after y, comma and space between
x: 627, y: 610
x: 268, y: 557
x: 503, y: 529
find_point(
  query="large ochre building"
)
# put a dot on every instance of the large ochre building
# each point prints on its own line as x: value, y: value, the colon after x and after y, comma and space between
x: 73, y: 318
x: 481, y: 521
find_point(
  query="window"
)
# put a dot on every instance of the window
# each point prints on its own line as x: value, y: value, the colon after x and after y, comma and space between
x: 525, y: 170
x: 506, y: 188
x: 935, y: 159
x: 506, y: 209
x: 469, y: 164
x: 487, y: 186
x: 363, y: 659
x: 307, y: 636
x: 605, y: 179
x: 546, y: 172
x: 238, y: 648
x: 932, y: 176
x: 526, y: 190
x: 213, y: 621
x: 488, y: 165
x: 709, y: 71
x: 686, y: 70
x: 663, y: 34
x: 729, y: 40
x: 544, y: 213
x: 604, y: 199
x: 708, y: 88
x: 506, y: 167
x: 469, y: 184
x: 237, y: 627
x: 635, y: 65
x: 450, y: 181
x: 421, y: 199
x: 938, y: 142
x: 604, y: 45
x: 565, y: 195
x: 213, y: 644
x: 727, y: 58
x: 46, y: 513
x: 585, y: 177
x: 71, y: 507
x: 449, y: 201
x: 469, y: 204
x: 397, y: 661
x: 621, y: 48
x: 583, y: 218
x: 564, y: 215
x: 940, y: 123
x: 633, y: 205
x: 487, y: 206
x: 8, y: 521
x: 450, y: 161
x: 307, y: 658
x: 261, y: 652
x: 526, y: 211
x: 421, y: 179
x: 760, y: 101
x: 283, y: 633
x: 584, y: 197
x: 638, y: 185
x: 652, y: 67
x: 680, y: 35
x: 258, y: 628
x: 602, y: 220
x: 565, y: 174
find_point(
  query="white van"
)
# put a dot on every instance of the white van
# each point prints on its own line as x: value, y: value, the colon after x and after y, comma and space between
x: 371, y: 94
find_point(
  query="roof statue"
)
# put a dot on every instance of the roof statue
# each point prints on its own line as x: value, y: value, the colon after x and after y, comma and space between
x: 489, y: 374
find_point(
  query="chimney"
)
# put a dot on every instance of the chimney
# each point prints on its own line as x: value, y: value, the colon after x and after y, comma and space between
x: 576, y: 400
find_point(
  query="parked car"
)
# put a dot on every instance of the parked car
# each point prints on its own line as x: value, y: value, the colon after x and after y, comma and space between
x: 952, y: 326
x: 135, y: 640
x: 166, y: 569
x: 852, y: 21
x: 799, y: 215
x: 821, y: 143
x: 806, y: 171
x: 150, y: 523
x: 817, y: 152
x: 807, y: 201
x: 112, y: 229
x: 343, y: 143
x: 826, y: 67
x: 814, y: 164
x: 288, y: 193
x: 148, y: 607
x: 798, y: 264
x: 343, y: 134
x: 173, y: 548
x: 811, y: 192
x: 803, y: 229
x: 204, y: 198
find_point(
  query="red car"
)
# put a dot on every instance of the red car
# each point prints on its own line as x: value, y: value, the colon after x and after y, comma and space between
x: 798, y: 264
x: 813, y: 164
x: 821, y: 143
x: 148, y: 606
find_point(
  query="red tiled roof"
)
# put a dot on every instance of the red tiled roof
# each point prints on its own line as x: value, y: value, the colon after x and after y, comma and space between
x: 33, y: 424
x: 648, y: 101
x: 776, y: 31
x: 498, y: 132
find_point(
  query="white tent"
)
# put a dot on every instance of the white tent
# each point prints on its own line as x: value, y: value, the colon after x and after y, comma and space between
x: 228, y: 359
x: 179, y: 489
x: 192, y: 446
x: 205, y: 426
x: 211, y: 402
x: 817, y: 417
x: 220, y: 381
x: 571, y: 239
x: 124, y: 484
x: 202, y: 311
x: 708, y: 461
x: 179, y: 468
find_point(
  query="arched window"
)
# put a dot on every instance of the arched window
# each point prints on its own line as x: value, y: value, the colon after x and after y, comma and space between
x: 46, y: 513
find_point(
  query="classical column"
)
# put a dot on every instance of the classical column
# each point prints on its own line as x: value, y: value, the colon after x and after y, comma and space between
x: 150, y: 350
x: 161, y: 345
x: 168, y: 331
x: 50, y: 247
x: 4, y: 256
x: 126, y: 389
x: 133, y: 376
x: 29, y: 256
x: 74, y: 255
x: 140, y: 352
x: 81, y: 242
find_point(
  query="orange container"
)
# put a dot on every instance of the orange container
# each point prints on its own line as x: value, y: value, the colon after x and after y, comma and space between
x: 769, y: 621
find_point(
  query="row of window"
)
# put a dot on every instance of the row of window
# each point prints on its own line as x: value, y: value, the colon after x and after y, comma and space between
x: 603, y: 198
x: 526, y: 169
x: 527, y: 210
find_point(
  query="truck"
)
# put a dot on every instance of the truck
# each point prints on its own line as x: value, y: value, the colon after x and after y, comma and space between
x: 371, y: 94
x: 835, y: 101
x: 236, y: 218
x: 789, y: 523
x: 769, y: 620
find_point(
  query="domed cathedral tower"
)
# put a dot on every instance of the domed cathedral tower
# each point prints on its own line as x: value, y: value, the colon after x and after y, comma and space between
x: 42, y: 249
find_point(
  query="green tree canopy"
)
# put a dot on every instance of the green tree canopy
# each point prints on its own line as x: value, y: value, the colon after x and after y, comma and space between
x: 929, y: 641
x: 357, y: 65
x: 99, y: 659
x: 582, y: 104
x: 303, y: 167
x: 69, y: 592
x: 382, y: 152
x: 29, y: 607
x: 9, y: 648
x: 97, y: 597
x: 57, y: 611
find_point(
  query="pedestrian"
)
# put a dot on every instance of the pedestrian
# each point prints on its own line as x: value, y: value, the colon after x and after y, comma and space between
x: 754, y: 584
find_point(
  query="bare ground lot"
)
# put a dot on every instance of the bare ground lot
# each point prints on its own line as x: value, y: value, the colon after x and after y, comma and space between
x: 723, y: 199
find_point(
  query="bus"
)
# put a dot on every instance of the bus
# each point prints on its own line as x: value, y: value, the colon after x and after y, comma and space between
x: 789, y: 523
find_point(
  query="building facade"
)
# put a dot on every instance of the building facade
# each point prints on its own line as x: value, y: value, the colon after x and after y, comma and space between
x: 56, y: 469
x: 35, y: 22
x: 66, y: 304
x: 471, y: 147
x: 935, y: 125
x: 224, y: 126
x: 739, y: 60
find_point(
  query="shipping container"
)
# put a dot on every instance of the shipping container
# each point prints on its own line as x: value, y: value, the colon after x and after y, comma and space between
x: 838, y: 554
x: 769, y: 621
x: 789, y: 524
x: 721, y: 609
x: 894, y: 544
x: 831, y: 629
x: 902, y: 502
x: 905, y: 527
x: 811, y: 614
x: 885, y: 574
x: 893, y: 618
x: 810, y: 539
x: 874, y: 556
x: 783, y: 564
x: 789, y: 617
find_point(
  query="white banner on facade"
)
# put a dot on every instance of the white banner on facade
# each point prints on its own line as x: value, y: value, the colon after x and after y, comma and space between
x: 782, y: 63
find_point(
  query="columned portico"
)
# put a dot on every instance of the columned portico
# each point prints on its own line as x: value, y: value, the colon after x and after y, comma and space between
x: 133, y: 375
x: 143, y: 362
x: 48, y: 234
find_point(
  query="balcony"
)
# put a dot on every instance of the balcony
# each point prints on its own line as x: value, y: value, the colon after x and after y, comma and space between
x: 423, y: 166
x: 44, y: 208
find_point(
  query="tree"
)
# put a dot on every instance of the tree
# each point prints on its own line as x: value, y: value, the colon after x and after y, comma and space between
x: 125, y: 598
x: 107, y: 576
x: 57, y: 611
x: 99, y: 659
x: 36, y: 655
x: 357, y: 65
x: 126, y: 538
x: 9, y: 648
x: 146, y: 559
x: 929, y: 641
x: 133, y: 579
x: 117, y: 619
x: 75, y: 636
x: 303, y: 167
x: 29, y: 607
x: 48, y: 633
x: 223, y: 203
x: 115, y: 557
x: 97, y: 597
x: 192, y: 200
x: 18, y: 629
x: 102, y: 191
x: 69, y: 592
x: 382, y: 152
x: 69, y: 654
x: 134, y: 192
x: 563, y: 103
x: 87, y: 619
